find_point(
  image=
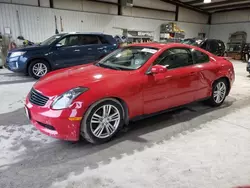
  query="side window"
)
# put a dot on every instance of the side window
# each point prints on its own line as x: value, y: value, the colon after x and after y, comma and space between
x: 175, y: 58
x: 89, y: 39
x: 103, y: 40
x: 200, y: 57
x: 69, y: 41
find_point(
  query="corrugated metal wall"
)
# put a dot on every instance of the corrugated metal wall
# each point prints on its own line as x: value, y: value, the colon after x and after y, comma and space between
x: 226, y: 23
x: 38, y: 24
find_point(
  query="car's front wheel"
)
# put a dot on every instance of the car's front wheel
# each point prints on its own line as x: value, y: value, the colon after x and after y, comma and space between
x: 219, y: 93
x: 102, y: 121
x: 38, y: 68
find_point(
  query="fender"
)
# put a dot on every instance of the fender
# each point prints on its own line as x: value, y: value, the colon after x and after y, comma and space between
x: 39, y: 57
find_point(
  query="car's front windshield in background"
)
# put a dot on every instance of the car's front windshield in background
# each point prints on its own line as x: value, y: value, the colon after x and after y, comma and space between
x: 50, y: 40
x: 128, y: 58
x: 189, y: 42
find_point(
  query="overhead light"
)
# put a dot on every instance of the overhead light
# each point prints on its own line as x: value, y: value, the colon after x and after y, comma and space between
x: 207, y: 1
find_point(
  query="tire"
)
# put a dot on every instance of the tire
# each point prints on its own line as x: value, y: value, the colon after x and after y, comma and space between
x: 36, y: 66
x: 1, y: 67
x: 95, y: 129
x: 214, y: 101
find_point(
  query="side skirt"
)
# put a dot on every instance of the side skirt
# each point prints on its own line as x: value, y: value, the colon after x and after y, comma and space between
x: 144, y: 116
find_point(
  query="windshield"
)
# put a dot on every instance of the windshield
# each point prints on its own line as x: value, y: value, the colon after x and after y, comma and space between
x: 50, y: 40
x: 189, y: 42
x: 128, y: 58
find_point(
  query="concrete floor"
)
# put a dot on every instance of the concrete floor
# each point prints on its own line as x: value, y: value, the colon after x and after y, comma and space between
x: 30, y: 159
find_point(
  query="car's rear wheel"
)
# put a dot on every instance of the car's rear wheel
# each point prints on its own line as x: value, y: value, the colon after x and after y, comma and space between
x: 38, y: 68
x: 102, y: 121
x: 219, y: 93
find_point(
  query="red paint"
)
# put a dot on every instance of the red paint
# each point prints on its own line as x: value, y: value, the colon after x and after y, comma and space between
x: 142, y: 93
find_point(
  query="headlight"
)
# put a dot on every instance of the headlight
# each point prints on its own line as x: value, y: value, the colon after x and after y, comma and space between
x: 65, y: 100
x: 17, y: 54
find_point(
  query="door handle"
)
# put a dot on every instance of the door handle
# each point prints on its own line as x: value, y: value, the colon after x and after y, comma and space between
x: 89, y: 48
x: 100, y: 48
x: 77, y: 50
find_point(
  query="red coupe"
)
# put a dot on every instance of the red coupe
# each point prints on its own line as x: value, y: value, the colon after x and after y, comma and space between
x: 95, y: 100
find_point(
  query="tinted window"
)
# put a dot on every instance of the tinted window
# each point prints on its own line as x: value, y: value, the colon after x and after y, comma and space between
x: 200, y: 57
x: 103, y: 40
x: 89, y: 39
x: 69, y: 41
x: 174, y: 58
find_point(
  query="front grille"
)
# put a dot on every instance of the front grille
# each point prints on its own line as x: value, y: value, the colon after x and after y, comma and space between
x: 37, y: 98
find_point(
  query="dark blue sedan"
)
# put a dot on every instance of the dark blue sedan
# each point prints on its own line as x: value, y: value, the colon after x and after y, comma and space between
x: 60, y: 51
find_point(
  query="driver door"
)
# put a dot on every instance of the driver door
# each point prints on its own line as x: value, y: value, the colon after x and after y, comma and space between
x: 68, y: 52
x: 173, y: 88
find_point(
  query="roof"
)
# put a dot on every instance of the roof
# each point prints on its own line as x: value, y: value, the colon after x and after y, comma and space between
x: 161, y: 45
x: 86, y: 33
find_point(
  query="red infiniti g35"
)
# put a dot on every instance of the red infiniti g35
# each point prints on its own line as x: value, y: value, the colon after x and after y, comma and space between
x: 95, y: 100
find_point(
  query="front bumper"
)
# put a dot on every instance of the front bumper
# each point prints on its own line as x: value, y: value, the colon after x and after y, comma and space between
x: 17, y: 64
x: 54, y: 123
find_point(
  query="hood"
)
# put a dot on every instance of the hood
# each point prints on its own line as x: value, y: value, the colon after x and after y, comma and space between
x: 58, y: 82
x: 29, y: 48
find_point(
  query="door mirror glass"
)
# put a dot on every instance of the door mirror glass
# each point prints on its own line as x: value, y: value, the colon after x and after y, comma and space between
x: 59, y: 45
x: 157, y: 69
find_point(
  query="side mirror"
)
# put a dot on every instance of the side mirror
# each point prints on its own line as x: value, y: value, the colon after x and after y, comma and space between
x: 157, y: 69
x: 58, y: 45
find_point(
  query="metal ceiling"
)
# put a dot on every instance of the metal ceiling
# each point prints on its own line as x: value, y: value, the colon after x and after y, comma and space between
x: 217, y: 5
x: 200, y: 6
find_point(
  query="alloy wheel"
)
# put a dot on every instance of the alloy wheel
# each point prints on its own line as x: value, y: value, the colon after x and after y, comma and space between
x: 40, y: 69
x: 219, y: 92
x: 105, y: 121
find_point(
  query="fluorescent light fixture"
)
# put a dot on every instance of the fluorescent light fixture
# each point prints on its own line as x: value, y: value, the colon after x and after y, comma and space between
x: 207, y: 1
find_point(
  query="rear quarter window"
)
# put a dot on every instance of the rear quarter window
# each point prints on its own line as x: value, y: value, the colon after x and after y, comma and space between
x: 107, y: 39
x: 103, y: 40
x: 200, y: 57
